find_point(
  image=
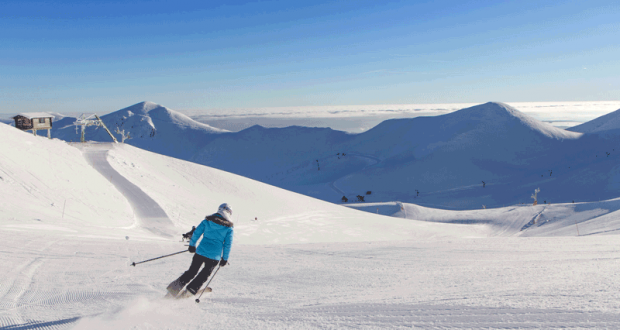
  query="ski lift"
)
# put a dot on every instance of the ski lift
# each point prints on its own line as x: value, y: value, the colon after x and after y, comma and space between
x: 85, y: 120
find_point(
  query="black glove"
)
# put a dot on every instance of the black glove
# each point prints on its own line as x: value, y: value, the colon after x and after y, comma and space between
x: 191, y: 249
x: 223, y: 263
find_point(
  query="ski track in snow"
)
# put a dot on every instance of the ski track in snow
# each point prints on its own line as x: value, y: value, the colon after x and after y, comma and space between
x: 65, y: 282
x: 152, y: 216
x: 17, y: 284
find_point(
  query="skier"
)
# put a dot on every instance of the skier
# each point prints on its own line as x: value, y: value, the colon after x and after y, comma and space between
x: 217, y: 232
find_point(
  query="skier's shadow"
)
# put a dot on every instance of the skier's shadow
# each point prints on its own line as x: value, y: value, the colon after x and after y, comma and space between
x: 40, y: 325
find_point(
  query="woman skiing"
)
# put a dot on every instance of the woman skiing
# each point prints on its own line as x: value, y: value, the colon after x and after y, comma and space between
x: 217, y: 232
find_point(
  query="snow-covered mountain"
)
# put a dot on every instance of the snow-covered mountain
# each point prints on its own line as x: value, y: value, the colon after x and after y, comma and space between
x: 488, y: 128
x: 449, y: 159
x: 274, y: 154
x: 150, y: 126
x: 490, y: 154
x: 608, y: 124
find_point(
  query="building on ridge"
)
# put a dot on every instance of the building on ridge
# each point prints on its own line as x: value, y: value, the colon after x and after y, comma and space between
x: 34, y: 121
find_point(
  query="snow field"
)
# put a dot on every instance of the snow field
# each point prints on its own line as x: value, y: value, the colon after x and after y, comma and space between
x: 87, y: 283
x: 568, y: 219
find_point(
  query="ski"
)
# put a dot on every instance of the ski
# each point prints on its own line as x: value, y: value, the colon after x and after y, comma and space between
x: 169, y: 296
x: 187, y: 294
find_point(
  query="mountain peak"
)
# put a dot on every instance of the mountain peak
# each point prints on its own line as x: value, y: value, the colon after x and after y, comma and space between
x: 143, y: 107
x: 492, y: 109
x: 496, y: 113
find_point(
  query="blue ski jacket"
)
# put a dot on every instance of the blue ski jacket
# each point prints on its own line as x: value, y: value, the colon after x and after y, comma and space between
x: 217, y: 237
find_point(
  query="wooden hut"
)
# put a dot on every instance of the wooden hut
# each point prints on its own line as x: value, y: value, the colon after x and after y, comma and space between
x: 34, y: 121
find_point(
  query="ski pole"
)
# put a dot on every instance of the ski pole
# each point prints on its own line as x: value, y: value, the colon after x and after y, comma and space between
x: 203, y: 291
x: 140, y: 262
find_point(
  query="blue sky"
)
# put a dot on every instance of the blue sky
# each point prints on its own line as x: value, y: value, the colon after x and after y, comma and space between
x: 73, y: 56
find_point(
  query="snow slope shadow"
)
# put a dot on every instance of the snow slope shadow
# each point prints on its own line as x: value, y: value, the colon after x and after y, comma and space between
x: 44, y: 325
x: 150, y: 215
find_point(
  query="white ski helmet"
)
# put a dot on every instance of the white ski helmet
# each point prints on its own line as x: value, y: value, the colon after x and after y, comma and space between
x: 225, y: 210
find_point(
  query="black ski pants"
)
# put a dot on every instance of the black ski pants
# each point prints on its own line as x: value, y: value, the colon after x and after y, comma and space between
x: 202, y: 277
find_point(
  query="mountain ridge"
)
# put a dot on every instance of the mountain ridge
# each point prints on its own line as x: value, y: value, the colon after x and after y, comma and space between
x: 150, y: 126
x: 606, y: 124
x: 396, y: 160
